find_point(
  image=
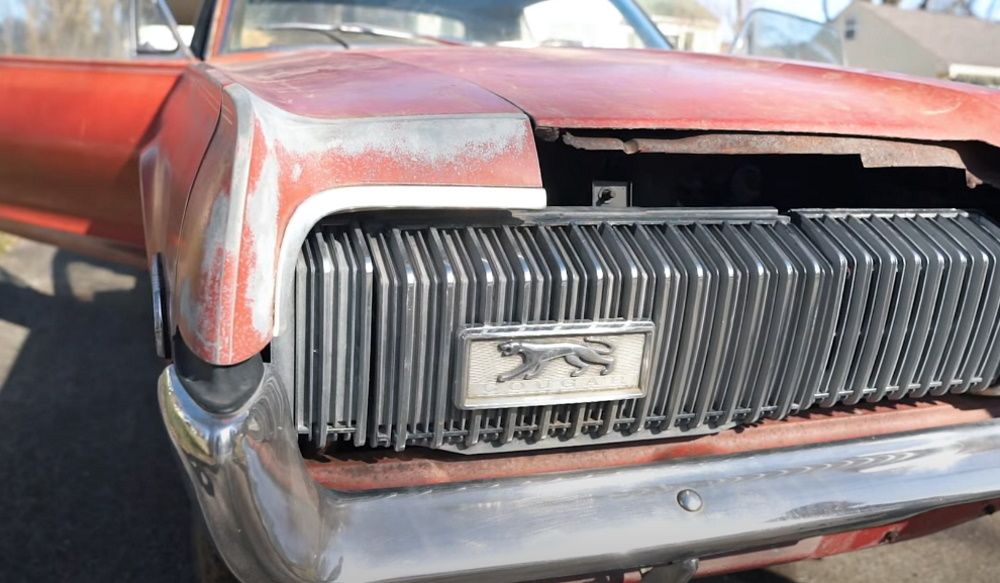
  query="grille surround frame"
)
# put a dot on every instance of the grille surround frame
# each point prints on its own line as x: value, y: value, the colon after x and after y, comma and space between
x: 770, y: 270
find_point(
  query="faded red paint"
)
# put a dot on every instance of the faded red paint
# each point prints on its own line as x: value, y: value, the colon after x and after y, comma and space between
x: 111, y: 241
x: 75, y: 225
x: 316, y: 116
x: 366, y: 85
x: 573, y: 88
x: 638, y: 89
x: 217, y: 32
x: 288, y: 159
x: 381, y: 469
x: 70, y: 136
x: 171, y: 161
x: 204, y: 292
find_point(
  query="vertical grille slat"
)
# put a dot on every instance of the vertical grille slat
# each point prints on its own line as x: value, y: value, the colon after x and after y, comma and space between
x: 694, y: 315
x: 754, y: 316
x: 809, y: 279
x: 910, y: 265
x: 955, y: 273
x: 772, y: 345
x: 861, y: 267
x: 972, y: 293
x: 336, y: 358
x: 324, y: 371
x: 729, y: 280
x: 668, y: 292
x: 747, y: 319
x: 990, y: 328
x: 927, y: 301
x: 883, y: 275
x: 301, y: 346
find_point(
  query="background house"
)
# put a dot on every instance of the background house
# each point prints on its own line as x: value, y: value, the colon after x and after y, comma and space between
x: 687, y: 24
x: 917, y: 42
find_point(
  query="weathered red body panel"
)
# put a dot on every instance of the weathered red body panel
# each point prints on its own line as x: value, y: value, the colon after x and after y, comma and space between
x: 627, y: 89
x: 267, y: 158
x: 575, y: 88
x: 172, y: 158
x: 316, y: 120
x: 70, y: 136
x: 338, y: 85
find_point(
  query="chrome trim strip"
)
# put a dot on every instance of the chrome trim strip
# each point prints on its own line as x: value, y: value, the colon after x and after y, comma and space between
x: 271, y: 522
x: 360, y: 198
x: 161, y: 328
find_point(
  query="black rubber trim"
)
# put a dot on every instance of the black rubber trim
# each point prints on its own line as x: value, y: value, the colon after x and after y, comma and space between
x: 199, y: 41
x: 217, y: 389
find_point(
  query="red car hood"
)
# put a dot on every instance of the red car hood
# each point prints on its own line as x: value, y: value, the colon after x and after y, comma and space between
x: 572, y: 88
x: 460, y: 117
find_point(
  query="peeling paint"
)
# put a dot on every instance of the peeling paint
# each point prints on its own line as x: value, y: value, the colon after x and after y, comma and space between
x: 197, y: 307
x: 261, y: 243
x: 275, y: 160
x: 430, y: 140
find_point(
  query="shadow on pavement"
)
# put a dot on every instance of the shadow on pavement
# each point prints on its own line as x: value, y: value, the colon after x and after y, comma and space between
x: 89, y: 489
x: 758, y: 576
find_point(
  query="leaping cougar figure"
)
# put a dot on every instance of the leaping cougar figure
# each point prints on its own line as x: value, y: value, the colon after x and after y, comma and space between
x: 537, y: 355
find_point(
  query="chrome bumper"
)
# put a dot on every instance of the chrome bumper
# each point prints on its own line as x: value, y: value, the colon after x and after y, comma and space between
x: 271, y: 522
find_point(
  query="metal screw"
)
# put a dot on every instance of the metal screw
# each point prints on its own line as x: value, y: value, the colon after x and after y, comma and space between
x: 605, y: 197
x: 689, y: 500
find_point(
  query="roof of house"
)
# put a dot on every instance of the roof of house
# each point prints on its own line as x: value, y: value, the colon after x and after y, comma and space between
x: 955, y: 39
x: 690, y: 10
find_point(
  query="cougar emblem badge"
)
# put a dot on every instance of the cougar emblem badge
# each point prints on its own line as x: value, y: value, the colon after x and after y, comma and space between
x: 524, y: 365
x: 536, y: 355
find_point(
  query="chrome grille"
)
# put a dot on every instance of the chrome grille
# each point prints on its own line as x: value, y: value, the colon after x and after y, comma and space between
x: 756, y: 315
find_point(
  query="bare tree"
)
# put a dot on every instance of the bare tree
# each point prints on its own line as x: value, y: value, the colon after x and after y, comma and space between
x: 68, y: 28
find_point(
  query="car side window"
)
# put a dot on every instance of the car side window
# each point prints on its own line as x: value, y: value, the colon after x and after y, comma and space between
x: 87, y: 29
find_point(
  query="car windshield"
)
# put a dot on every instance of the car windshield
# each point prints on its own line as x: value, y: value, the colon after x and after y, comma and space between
x: 262, y: 24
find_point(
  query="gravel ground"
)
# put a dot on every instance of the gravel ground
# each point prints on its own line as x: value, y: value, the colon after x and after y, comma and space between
x: 89, y: 490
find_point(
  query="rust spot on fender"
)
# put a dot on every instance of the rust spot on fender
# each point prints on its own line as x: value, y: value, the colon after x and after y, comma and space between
x: 276, y: 160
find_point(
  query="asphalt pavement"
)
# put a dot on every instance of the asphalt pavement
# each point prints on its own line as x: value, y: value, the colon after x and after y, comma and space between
x: 89, y: 490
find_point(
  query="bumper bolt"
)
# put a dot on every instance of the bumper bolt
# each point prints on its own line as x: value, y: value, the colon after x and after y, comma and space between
x: 689, y: 500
